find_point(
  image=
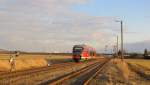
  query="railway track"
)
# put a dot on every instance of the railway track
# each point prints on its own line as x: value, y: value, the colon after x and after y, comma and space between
x: 13, y: 77
x: 31, y: 77
x: 80, y: 77
x: 87, y: 82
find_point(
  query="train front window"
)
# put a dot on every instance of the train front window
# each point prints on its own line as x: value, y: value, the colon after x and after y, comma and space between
x: 77, y: 49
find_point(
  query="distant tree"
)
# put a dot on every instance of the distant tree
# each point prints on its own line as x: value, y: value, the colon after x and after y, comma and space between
x: 119, y: 52
x: 146, y: 55
x: 133, y: 55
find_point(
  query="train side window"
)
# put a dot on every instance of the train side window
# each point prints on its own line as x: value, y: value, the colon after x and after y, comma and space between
x: 90, y: 53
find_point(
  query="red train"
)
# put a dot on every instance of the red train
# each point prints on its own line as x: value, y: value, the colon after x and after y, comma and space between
x: 83, y: 52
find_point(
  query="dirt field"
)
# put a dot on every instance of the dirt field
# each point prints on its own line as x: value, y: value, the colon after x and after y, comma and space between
x: 28, y: 61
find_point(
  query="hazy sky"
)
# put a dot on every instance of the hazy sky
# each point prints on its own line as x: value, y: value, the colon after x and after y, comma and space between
x: 57, y: 25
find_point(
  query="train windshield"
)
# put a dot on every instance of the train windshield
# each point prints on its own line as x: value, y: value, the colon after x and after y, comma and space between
x: 77, y: 49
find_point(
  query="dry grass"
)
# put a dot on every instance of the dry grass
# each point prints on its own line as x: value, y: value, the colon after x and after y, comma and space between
x: 28, y: 61
x: 4, y: 56
x: 142, y: 62
x: 4, y: 65
x: 123, y: 67
x: 115, y: 72
x: 140, y: 66
x: 140, y: 71
x: 119, y: 73
x: 30, y: 56
x: 22, y: 64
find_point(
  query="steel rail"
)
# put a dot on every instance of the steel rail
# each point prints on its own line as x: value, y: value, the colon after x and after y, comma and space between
x: 73, y: 75
x: 96, y: 73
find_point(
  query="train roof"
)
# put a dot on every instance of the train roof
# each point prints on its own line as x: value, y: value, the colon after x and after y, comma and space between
x: 85, y: 46
x: 80, y: 45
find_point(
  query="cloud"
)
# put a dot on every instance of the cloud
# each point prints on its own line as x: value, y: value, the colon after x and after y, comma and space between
x: 50, y: 25
x: 138, y: 46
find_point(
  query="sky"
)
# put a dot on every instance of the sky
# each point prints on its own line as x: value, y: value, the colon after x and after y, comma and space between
x: 57, y: 25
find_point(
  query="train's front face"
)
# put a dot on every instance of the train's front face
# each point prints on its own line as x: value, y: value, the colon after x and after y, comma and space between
x: 77, y: 53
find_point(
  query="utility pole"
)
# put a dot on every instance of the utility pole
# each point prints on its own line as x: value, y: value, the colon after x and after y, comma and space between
x: 117, y: 46
x: 122, y: 52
